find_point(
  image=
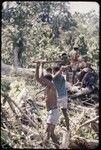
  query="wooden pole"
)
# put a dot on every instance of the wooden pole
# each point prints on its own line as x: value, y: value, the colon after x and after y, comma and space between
x: 89, y: 121
x: 53, y: 61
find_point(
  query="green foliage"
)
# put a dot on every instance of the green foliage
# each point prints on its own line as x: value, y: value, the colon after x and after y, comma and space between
x: 16, y: 87
x: 87, y: 132
x: 5, y: 86
x: 80, y: 42
x: 46, y: 29
x: 88, y: 26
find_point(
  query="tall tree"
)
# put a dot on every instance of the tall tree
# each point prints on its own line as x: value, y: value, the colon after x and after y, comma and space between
x: 81, y: 43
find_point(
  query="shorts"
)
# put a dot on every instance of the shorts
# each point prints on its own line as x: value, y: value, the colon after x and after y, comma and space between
x: 53, y: 116
x: 62, y: 102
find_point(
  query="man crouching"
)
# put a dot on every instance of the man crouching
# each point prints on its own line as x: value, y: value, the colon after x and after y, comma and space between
x: 51, y: 104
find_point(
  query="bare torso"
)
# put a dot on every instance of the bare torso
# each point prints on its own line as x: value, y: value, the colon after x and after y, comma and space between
x: 51, y: 98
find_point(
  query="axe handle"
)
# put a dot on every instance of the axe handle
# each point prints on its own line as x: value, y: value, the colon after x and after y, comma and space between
x: 53, y: 61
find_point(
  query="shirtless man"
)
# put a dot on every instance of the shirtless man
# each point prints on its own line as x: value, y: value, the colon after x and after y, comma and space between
x: 51, y: 104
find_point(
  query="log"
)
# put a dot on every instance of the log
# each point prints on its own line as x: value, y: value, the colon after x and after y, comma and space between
x: 77, y: 142
x: 82, y: 143
x: 8, y: 70
x: 52, y: 61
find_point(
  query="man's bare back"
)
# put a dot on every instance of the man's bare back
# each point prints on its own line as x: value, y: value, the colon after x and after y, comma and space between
x: 51, y: 104
x: 50, y: 96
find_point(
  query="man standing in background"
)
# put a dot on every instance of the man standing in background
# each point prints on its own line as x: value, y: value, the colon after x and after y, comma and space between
x: 64, y: 62
x: 74, y: 62
x: 62, y: 96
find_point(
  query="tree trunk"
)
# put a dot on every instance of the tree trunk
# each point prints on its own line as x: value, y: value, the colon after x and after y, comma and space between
x: 18, y: 49
x: 8, y: 70
x: 80, y: 143
x: 16, y: 59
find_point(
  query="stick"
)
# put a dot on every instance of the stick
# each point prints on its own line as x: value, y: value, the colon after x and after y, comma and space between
x: 15, y: 114
x: 89, y: 121
x: 52, y: 61
x: 40, y: 91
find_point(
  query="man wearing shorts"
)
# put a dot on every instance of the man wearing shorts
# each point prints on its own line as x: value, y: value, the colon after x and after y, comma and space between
x: 51, y: 104
x: 62, y: 100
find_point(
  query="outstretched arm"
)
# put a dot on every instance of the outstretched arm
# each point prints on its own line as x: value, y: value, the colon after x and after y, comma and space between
x: 38, y: 64
x: 57, y: 74
x: 60, y: 71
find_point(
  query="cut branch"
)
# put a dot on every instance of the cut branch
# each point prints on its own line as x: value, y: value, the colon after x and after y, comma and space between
x: 78, y: 142
x: 89, y: 121
x: 53, y: 61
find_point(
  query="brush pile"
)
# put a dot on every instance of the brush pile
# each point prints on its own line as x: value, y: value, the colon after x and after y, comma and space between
x: 23, y: 119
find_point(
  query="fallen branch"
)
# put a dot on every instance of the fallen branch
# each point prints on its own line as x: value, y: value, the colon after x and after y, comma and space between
x: 14, y: 112
x: 9, y: 99
x: 89, y: 121
x: 79, y: 142
x: 52, y: 61
x: 8, y: 69
x: 40, y: 91
x: 34, y: 125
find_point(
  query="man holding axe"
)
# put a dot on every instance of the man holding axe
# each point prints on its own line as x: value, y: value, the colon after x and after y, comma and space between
x: 51, y: 103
